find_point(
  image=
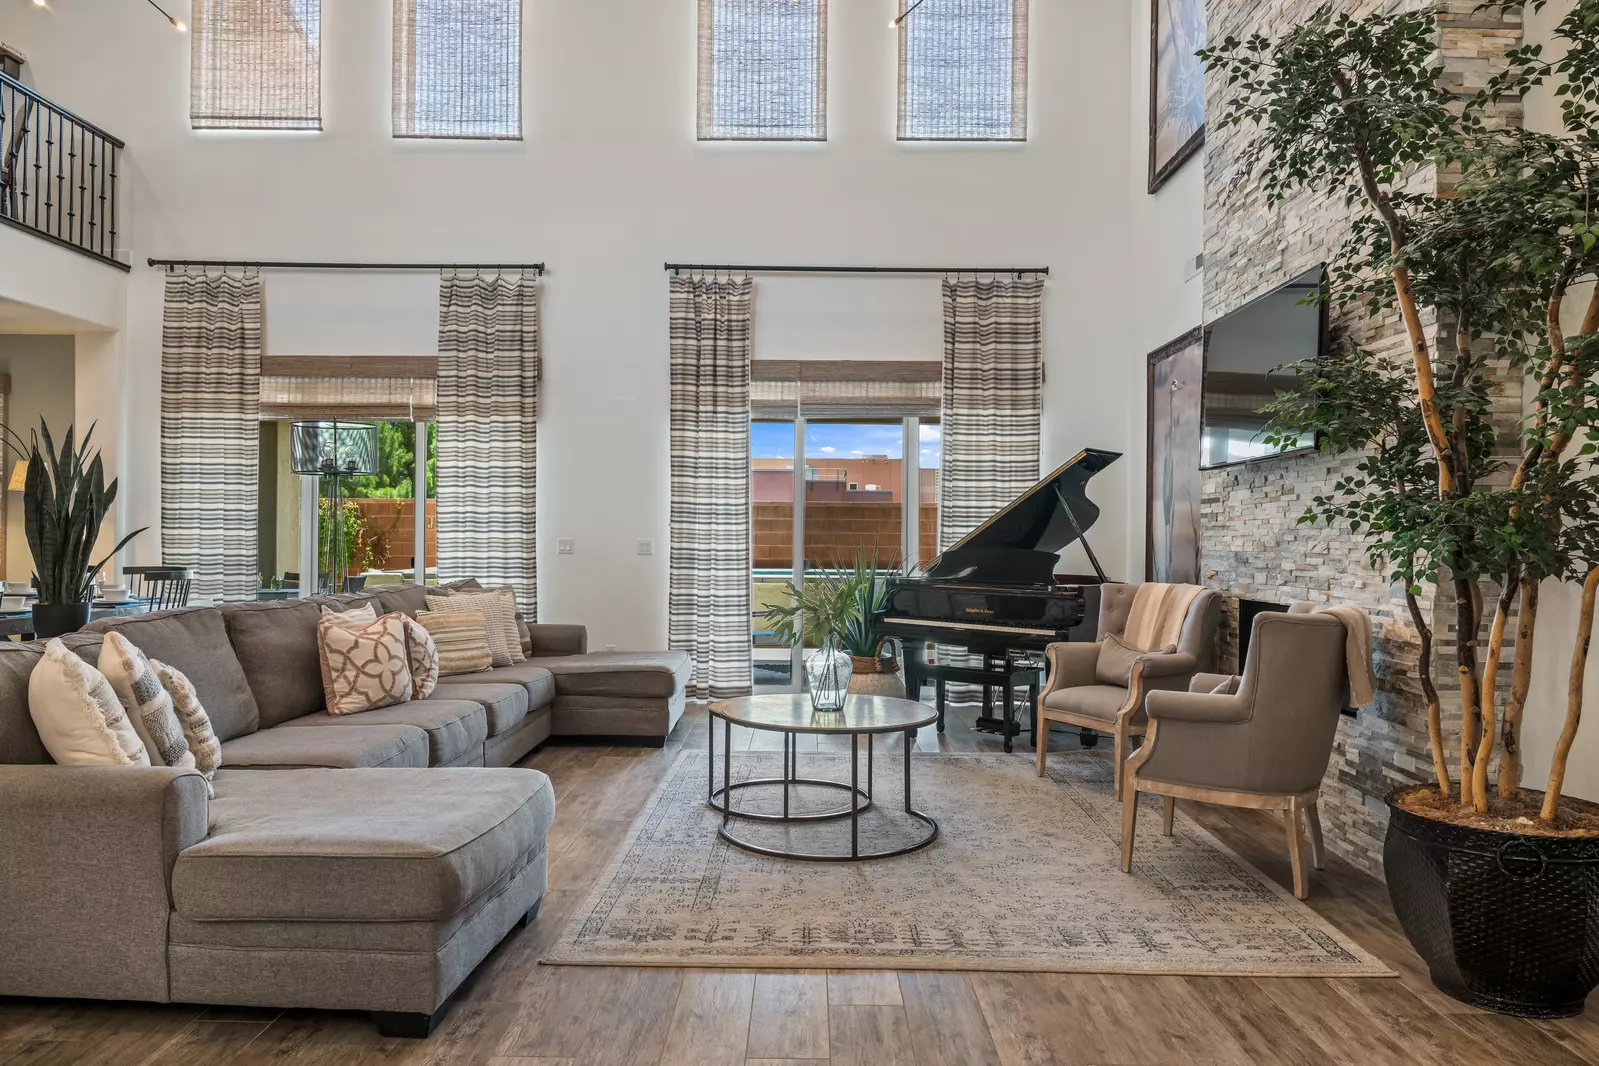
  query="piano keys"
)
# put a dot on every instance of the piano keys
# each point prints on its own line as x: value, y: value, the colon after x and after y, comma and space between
x: 995, y: 591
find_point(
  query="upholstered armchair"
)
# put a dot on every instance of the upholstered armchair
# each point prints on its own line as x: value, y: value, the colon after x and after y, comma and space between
x: 1151, y: 637
x: 1262, y: 741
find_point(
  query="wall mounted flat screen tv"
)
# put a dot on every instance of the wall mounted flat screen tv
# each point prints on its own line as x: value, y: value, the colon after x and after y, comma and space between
x: 1243, y: 350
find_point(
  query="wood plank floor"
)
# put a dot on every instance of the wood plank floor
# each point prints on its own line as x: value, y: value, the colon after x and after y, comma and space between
x: 513, y: 1012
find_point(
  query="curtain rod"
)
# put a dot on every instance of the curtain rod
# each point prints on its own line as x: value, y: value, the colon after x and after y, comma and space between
x: 737, y: 268
x: 537, y: 268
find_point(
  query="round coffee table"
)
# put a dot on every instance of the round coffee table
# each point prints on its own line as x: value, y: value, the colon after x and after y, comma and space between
x: 792, y: 715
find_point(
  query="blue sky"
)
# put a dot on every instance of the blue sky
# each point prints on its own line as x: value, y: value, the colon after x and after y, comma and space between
x: 775, y: 440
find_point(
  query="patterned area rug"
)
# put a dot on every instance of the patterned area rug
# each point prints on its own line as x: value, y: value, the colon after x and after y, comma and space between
x: 1023, y: 876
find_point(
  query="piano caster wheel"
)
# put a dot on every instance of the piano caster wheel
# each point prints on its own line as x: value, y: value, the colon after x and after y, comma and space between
x: 1089, y: 739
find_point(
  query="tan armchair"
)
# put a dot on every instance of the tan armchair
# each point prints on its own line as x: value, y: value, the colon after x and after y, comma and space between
x: 1262, y: 741
x: 1101, y: 686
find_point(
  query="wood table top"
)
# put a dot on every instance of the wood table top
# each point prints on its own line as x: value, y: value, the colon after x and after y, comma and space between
x: 792, y: 713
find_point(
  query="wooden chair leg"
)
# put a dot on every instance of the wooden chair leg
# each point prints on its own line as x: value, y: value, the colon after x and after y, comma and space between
x: 1167, y: 814
x: 1318, y: 853
x: 1119, y: 757
x: 1042, y: 743
x: 1296, y: 847
x: 1129, y: 825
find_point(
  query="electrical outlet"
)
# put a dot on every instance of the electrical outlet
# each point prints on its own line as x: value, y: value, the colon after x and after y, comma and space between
x: 565, y: 546
x: 610, y: 647
x: 646, y: 547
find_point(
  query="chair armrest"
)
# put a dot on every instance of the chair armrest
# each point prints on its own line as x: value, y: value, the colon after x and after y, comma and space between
x: 86, y: 855
x: 1156, y: 664
x: 1071, y: 665
x: 1196, y: 707
x: 552, y: 639
x: 1207, y: 683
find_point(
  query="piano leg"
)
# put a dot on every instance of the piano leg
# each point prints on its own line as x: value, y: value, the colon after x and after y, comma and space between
x: 938, y: 687
x: 1008, y: 729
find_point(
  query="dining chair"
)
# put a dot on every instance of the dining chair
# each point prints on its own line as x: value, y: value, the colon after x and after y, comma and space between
x: 165, y: 587
x: 1261, y: 741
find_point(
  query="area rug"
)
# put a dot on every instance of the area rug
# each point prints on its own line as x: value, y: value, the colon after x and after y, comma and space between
x: 1024, y: 876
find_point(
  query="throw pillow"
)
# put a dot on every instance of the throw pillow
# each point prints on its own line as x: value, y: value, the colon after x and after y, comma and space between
x: 355, y: 616
x: 363, y: 668
x: 498, y: 609
x: 145, y: 700
x: 1116, y: 659
x: 1225, y: 688
x: 422, y: 655
x: 196, y: 723
x: 461, y: 638
x: 79, y: 718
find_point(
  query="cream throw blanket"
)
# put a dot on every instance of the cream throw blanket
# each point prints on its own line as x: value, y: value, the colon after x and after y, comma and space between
x: 1357, y: 651
x: 1156, y: 618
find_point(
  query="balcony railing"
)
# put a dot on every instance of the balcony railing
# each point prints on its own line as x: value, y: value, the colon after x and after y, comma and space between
x: 58, y: 174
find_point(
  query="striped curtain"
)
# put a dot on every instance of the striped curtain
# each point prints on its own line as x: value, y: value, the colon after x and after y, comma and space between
x: 709, y: 600
x: 993, y: 398
x: 488, y: 396
x: 210, y: 429
x: 992, y: 407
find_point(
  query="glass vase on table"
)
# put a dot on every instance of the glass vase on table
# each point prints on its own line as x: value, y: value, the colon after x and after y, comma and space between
x: 827, y: 676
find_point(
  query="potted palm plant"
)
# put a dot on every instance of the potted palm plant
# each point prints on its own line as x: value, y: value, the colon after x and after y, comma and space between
x: 1491, y: 881
x: 833, y: 609
x: 64, y: 501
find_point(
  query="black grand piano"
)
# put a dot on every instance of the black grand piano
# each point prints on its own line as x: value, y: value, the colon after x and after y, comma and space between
x: 995, y: 592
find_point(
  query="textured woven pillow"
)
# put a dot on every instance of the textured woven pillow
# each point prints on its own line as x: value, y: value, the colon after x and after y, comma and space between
x: 196, y: 723
x: 363, y: 668
x: 498, y: 608
x: 79, y: 718
x: 461, y: 638
x: 1115, y: 664
x: 422, y: 655
x: 355, y: 616
x: 146, y: 701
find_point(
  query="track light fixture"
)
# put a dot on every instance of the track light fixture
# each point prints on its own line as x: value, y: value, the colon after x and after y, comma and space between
x: 178, y: 25
x: 905, y: 14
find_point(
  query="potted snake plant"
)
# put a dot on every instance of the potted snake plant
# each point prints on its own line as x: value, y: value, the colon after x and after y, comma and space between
x: 64, y: 502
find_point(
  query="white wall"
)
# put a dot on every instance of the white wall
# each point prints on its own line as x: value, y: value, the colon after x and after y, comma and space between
x: 608, y: 185
x: 41, y: 369
x: 1165, y: 231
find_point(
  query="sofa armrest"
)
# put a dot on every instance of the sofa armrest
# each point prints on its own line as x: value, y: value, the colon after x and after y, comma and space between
x: 551, y: 639
x: 1196, y: 707
x: 1071, y: 665
x: 86, y: 855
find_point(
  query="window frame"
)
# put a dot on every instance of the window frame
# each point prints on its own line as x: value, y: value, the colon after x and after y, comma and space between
x: 705, y: 82
x: 1021, y: 19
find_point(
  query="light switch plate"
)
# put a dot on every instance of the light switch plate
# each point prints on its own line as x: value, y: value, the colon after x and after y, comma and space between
x: 565, y: 546
x: 646, y: 547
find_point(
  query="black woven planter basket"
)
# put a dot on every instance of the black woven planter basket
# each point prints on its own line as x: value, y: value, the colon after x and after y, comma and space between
x: 1505, y: 921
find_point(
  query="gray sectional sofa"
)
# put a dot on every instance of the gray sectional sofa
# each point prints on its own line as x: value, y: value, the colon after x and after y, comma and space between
x: 368, y: 862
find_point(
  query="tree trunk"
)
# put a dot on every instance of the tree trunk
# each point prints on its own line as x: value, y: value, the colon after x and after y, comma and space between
x: 1466, y: 667
x: 1435, y: 725
x: 1579, y: 669
x: 1490, y: 681
x: 1520, y: 682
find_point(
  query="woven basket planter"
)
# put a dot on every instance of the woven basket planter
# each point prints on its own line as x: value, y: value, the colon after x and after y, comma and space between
x: 1508, y: 922
x: 876, y: 677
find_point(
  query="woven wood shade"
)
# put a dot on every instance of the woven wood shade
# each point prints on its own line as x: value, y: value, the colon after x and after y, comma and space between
x: 763, y: 70
x: 963, y: 71
x: 256, y: 64
x: 356, y: 388
x: 458, y: 69
x: 844, y: 389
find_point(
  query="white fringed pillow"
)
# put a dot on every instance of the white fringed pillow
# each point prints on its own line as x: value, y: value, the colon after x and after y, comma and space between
x: 196, y: 723
x: 363, y: 668
x: 146, y: 700
x: 79, y: 718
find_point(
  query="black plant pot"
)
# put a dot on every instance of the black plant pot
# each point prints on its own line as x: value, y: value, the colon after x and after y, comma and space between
x: 58, y: 619
x: 1505, y: 921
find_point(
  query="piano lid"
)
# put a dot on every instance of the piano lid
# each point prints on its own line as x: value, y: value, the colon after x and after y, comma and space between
x: 1036, y: 520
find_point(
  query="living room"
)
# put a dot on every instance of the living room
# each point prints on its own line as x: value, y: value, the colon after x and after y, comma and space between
x: 659, y: 315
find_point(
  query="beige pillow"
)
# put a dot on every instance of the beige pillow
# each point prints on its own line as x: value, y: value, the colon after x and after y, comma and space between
x: 1116, y: 659
x: 355, y: 616
x: 79, y: 718
x: 498, y: 608
x: 363, y: 668
x: 422, y: 655
x: 196, y: 723
x: 461, y: 639
x: 146, y: 701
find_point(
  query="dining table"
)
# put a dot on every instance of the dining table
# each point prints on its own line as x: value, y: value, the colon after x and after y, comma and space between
x: 19, y: 623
